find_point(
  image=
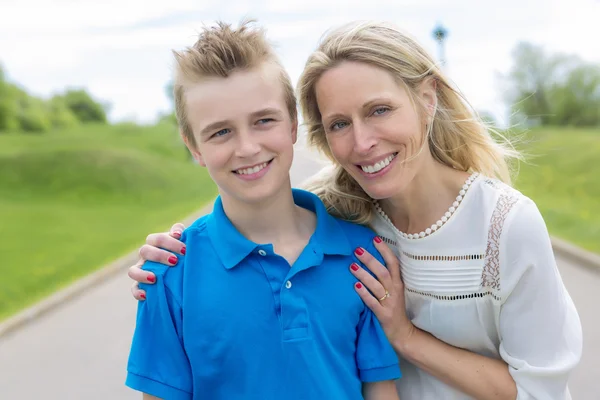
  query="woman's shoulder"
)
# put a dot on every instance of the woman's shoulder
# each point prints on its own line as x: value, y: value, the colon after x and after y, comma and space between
x: 497, y: 204
x: 494, y: 191
x: 508, y: 209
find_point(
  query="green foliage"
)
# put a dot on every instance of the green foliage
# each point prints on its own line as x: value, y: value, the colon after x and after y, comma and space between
x: 21, y: 111
x: 85, y: 108
x: 61, y: 115
x: 8, y: 109
x: 77, y: 199
x: 32, y: 114
x: 553, y: 89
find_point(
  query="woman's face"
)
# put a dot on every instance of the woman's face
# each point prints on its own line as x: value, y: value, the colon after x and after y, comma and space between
x: 373, y: 129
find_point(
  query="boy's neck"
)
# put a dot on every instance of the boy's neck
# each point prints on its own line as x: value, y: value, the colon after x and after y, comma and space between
x: 275, y: 220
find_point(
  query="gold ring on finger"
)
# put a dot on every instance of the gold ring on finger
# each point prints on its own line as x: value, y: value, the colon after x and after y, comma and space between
x: 385, y: 296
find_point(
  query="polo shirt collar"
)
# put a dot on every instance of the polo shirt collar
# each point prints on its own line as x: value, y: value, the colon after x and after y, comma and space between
x: 232, y: 247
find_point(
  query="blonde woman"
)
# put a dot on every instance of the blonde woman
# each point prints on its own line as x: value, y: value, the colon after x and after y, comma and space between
x: 481, y: 310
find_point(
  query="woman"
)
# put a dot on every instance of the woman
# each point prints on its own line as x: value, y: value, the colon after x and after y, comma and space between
x: 481, y: 311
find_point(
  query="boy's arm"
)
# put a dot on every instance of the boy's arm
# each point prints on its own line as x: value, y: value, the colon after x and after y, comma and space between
x: 158, y: 363
x: 382, y: 390
x: 150, y: 397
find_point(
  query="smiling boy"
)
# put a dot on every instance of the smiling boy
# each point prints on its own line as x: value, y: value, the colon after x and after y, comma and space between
x: 262, y: 305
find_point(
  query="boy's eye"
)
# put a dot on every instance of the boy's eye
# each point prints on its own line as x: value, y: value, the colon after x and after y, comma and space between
x: 221, y: 132
x: 263, y: 121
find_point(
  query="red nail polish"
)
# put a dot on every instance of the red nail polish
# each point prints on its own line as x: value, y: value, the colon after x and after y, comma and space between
x: 183, y: 250
x: 150, y: 278
x: 354, y: 267
x: 177, y: 235
x: 377, y: 239
x: 358, y: 285
x: 359, y: 251
x: 143, y: 296
x: 173, y: 260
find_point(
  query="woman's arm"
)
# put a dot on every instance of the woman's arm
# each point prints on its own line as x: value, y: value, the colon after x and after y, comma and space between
x: 475, y: 375
x: 153, y: 251
x: 539, y: 327
x: 383, y: 390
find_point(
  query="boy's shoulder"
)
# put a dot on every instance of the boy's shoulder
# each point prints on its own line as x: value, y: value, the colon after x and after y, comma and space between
x: 193, y: 236
x: 198, y: 226
x: 357, y: 235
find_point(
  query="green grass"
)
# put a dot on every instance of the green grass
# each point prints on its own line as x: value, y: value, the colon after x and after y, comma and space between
x: 562, y: 175
x: 71, y: 202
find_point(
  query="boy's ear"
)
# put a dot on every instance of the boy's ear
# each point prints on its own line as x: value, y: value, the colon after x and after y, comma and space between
x: 193, y: 150
x: 294, y: 131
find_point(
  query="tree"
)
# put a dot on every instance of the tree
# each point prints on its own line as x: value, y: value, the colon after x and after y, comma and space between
x: 83, y: 106
x: 8, y: 106
x: 32, y: 113
x: 61, y: 115
x: 577, y: 100
x: 553, y: 89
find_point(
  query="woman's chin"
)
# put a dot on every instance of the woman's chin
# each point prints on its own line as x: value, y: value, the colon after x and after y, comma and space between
x: 379, y: 192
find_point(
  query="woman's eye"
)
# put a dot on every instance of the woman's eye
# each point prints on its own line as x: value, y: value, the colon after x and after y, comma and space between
x: 337, y: 125
x: 380, y: 110
x: 222, y: 132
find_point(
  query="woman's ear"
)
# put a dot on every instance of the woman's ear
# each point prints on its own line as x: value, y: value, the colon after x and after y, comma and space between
x: 428, y: 93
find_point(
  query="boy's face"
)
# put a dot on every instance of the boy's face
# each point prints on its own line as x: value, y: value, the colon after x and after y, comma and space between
x: 243, y: 132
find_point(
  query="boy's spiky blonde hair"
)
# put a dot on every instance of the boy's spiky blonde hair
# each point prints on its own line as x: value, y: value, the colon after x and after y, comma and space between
x: 220, y: 51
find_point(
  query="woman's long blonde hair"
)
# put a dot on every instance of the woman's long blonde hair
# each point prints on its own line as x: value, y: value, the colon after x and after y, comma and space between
x: 456, y: 137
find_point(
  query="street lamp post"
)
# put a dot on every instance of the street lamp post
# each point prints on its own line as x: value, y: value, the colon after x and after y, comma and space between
x: 440, y: 33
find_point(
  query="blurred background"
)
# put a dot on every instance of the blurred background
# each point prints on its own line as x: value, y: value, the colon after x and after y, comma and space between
x: 91, y: 162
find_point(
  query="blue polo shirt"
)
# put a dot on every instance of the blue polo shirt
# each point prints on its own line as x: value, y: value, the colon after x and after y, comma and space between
x: 232, y: 320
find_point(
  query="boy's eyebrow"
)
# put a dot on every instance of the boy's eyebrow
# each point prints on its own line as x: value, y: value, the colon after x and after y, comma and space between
x: 266, y: 111
x: 211, y: 127
x: 215, y: 125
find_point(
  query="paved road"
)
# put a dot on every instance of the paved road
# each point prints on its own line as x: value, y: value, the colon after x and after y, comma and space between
x: 80, y: 350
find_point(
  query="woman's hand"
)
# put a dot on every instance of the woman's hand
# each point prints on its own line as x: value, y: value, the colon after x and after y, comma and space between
x: 384, y: 295
x: 153, y: 251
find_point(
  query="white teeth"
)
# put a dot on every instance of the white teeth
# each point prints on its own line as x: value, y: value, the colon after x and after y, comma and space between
x: 371, y: 169
x: 253, y: 170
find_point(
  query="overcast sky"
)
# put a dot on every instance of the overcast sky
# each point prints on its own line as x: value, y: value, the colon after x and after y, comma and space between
x: 120, y: 50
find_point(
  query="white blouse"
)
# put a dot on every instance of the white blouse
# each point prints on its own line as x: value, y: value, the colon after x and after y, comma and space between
x: 487, y: 281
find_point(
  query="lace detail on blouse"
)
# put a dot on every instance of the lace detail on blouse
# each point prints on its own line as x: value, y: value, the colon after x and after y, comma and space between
x: 490, y: 277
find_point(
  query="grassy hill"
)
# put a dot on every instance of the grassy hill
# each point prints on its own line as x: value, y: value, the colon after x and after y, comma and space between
x: 562, y: 175
x: 72, y: 201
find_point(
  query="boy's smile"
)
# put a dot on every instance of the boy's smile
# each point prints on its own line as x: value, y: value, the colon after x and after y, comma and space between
x: 253, y: 171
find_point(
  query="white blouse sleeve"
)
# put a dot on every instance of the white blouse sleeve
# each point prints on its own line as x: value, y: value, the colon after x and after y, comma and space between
x: 540, y: 330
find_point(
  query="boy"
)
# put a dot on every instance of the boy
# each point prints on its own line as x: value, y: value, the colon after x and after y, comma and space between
x: 261, y: 306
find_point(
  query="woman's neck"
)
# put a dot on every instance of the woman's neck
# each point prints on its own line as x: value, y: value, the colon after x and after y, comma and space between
x: 426, y: 198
